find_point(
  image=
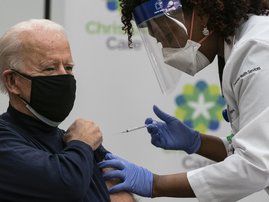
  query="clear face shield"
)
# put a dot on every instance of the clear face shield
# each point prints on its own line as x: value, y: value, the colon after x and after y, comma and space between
x: 162, y: 28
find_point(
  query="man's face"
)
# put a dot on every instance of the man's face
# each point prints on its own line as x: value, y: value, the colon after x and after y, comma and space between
x: 45, y: 54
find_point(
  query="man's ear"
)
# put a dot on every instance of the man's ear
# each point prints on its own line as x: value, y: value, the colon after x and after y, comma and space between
x: 10, y: 81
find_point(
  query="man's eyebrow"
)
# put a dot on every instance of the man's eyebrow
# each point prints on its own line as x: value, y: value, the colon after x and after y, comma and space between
x: 54, y: 63
x: 47, y: 63
x: 70, y: 63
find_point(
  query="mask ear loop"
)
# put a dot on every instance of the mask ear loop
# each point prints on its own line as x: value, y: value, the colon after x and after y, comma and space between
x: 25, y: 77
x: 192, y: 22
x: 203, y: 39
x: 21, y: 74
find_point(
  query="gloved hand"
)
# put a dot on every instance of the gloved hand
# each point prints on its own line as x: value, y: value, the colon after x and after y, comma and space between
x: 172, y: 133
x: 134, y: 178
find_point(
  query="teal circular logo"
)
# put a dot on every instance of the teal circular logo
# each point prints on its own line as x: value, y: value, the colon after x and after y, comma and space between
x: 200, y: 106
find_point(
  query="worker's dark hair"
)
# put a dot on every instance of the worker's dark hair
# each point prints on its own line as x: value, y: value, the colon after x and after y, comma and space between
x: 225, y: 15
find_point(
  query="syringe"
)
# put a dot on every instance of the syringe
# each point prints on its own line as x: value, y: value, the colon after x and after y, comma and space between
x: 133, y: 129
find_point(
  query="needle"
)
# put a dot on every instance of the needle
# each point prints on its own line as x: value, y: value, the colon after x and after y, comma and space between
x: 133, y: 129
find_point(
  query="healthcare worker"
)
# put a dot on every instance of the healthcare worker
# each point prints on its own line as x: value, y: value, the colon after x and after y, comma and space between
x: 187, y: 35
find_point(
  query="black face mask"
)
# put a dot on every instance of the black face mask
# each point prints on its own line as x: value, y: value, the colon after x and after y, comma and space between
x: 52, y: 97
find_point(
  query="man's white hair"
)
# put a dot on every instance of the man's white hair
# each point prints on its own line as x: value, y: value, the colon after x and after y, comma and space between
x: 11, y: 43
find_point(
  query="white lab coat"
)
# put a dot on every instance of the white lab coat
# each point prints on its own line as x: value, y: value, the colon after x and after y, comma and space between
x: 246, y: 90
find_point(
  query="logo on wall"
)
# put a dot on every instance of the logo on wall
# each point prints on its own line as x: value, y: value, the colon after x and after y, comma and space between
x: 200, y: 106
x: 115, y: 37
x: 112, y: 5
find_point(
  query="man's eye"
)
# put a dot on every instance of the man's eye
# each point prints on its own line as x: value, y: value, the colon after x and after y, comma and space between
x: 68, y: 68
x: 49, y: 69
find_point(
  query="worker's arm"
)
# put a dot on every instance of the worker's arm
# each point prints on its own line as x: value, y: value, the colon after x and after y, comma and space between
x: 212, y: 147
x: 174, y: 185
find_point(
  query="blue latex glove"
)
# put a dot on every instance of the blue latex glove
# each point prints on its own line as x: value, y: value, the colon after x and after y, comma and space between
x: 170, y: 133
x: 134, y: 178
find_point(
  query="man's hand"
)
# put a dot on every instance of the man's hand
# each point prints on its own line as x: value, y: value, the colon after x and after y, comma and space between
x: 85, y: 131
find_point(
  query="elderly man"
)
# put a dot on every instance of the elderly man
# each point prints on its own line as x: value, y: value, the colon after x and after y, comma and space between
x: 39, y: 161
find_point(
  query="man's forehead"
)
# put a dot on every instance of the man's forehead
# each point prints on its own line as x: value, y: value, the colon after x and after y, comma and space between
x: 45, y: 55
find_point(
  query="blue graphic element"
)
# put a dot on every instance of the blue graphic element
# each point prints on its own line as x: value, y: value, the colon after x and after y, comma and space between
x: 201, y: 86
x: 112, y: 5
x: 180, y: 100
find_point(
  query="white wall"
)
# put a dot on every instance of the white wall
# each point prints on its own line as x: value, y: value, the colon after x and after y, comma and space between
x: 11, y: 12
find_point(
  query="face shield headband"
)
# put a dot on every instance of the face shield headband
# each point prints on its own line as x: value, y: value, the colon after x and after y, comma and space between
x: 154, y: 9
x: 161, y: 24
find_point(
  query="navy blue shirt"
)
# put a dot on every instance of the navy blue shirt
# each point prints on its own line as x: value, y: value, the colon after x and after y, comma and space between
x: 37, y: 166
